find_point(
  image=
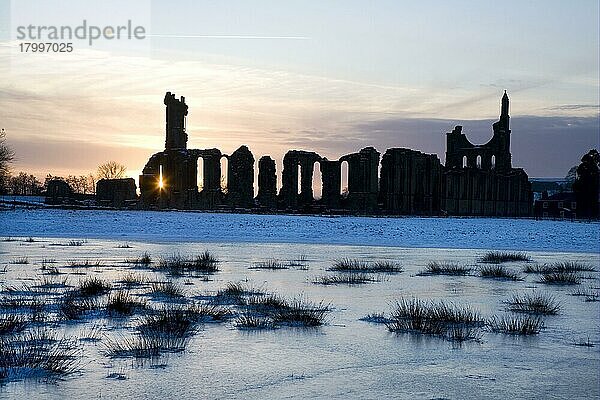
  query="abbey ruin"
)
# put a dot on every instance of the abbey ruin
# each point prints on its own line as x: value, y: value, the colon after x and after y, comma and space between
x: 477, y: 180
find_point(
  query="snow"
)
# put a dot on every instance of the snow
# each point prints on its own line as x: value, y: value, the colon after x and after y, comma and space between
x: 409, y: 232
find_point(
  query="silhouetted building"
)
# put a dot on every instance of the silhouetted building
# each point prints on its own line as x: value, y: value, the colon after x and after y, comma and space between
x: 58, y: 192
x: 477, y: 180
x: 480, y: 179
x: 116, y: 192
x: 557, y: 206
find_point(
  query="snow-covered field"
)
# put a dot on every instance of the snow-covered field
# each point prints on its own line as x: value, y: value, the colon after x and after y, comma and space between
x: 463, y: 233
x: 346, y: 357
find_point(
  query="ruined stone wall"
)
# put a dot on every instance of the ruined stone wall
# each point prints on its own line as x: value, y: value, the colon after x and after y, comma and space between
x: 240, y: 178
x: 477, y: 179
x: 116, y: 192
x: 267, y: 183
x: 410, y: 182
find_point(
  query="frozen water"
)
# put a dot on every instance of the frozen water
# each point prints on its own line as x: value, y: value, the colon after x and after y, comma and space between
x: 347, y: 357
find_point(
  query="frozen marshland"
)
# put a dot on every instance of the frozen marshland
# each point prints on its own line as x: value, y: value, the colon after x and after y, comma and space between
x: 296, y: 307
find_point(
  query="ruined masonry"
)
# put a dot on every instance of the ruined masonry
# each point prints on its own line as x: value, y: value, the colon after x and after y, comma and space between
x: 477, y: 180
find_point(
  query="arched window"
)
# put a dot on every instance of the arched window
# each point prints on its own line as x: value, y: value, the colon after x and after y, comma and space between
x: 200, y: 177
x: 299, y: 183
x: 464, y: 162
x: 344, y: 190
x: 478, y: 162
x: 493, y: 161
x: 223, y: 182
x: 161, y: 183
x: 317, y: 181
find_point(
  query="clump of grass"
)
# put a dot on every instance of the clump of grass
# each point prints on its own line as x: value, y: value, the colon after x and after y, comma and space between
x: 355, y: 265
x: 271, y: 263
x: 302, y: 313
x: 85, y: 264
x: 124, y: 246
x: 300, y: 262
x: 131, y: 279
x: 12, y: 323
x: 178, y: 322
x: 93, y: 286
x: 522, y: 325
x: 533, y: 303
x: 178, y: 265
x: 74, y: 307
x: 9, y: 239
x: 444, y: 268
x: 570, y: 266
x: 168, y: 288
x: 352, y: 278
x: 266, y: 303
x: 498, y: 257
x: 563, y: 266
x: 448, y: 321
x: 376, y: 318
x: 123, y: 303
x: 144, y: 260
x: 247, y: 320
x: 29, y: 240
x: 53, y: 282
x: 560, y: 278
x: 143, y: 346
x: 75, y: 243
x: 238, y: 289
x: 38, y: 354
x: 20, y: 260
x: 498, y: 272
x: 209, y: 312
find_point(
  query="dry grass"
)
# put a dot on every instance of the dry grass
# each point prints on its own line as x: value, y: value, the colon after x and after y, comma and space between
x: 533, y: 303
x: 498, y: 257
x: 560, y: 278
x: 498, y: 272
x: 441, y: 319
x: 522, y: 325
x: 444, y: 268
x: 352, y: 278
x: 356, y: 265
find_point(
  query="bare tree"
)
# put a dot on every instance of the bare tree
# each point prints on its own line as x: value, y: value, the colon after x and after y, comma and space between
x: 111, y: 170
x: 6, y: 157
x: 25, y: 184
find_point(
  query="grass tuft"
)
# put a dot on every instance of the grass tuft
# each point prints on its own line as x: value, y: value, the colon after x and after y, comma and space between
x: 38, y: 354
x: 168, y: 288
x: 498, y: 257
x: 444, y: 268
x: 352, y: 278
x: 533, y: 303
x: 498, y: 272
x: 271, y: 263
x: 355, y: 265
x: 93, y: 286
x: 205, y: 263
x: 123, y: 303
x: 448, y: 321
x: 522, y: 325
x: 560, y: 278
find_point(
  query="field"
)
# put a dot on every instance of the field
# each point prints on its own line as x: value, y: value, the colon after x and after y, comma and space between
x: 179, y: 305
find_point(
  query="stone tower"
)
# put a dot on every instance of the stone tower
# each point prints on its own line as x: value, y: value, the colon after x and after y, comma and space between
x: 175, y: 122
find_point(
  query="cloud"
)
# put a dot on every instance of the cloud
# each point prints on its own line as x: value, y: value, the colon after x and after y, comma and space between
x: 74, y: 111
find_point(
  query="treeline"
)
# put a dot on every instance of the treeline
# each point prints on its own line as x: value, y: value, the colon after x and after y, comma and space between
x: 23, y: 184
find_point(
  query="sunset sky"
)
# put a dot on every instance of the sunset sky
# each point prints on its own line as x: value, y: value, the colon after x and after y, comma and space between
x: 327, y: 76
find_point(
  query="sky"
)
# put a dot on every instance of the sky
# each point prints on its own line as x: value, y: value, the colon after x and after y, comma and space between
x: 326, y: 76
